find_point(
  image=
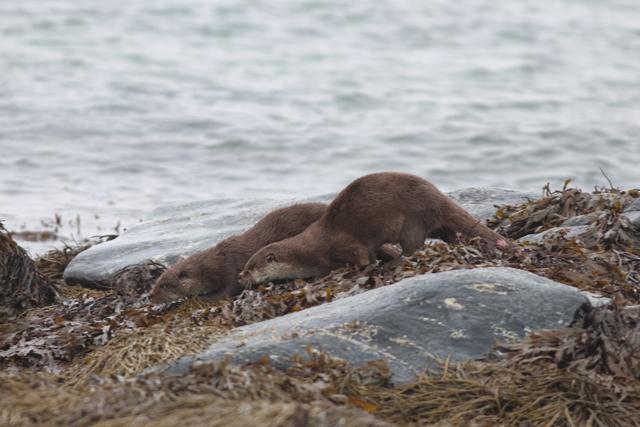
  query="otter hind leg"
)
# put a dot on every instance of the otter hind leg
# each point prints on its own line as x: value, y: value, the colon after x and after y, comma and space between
x: 411, y: 239
x: 446, y: 234
x: 386, y: 253
x: 394, y: 262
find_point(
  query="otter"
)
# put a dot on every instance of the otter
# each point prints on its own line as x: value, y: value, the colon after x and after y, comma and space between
x: 374, y: 210
x: 212, y: 273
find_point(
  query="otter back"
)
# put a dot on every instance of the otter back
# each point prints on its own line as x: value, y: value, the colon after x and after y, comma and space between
x: 371, y: 211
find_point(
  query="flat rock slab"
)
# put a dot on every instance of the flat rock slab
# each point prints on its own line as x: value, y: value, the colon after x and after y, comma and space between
x: 539, y: 237
x: 481, y: 202
x: 577, y: 225
x: 633, y: 207
x: 172, y: 233
x: 634, y: 217
x: 461, y: 313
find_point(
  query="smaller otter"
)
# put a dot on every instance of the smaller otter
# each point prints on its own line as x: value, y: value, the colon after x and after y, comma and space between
x: 212, y: 273
x: 372, y: 211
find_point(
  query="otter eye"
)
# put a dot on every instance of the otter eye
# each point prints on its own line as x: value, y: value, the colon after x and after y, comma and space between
x: 271, y: 257
x: 182, y: 274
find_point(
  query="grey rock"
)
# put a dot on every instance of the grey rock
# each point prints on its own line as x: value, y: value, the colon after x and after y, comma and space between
x: 583, y: 219
x: 633, y: 207
x: 634, y: 217
x: 539, y: 237
x: 632, y: 212
x: 172, y: 233
x: 596, y: 300
x: 481, y: 202
x: 461, y: 313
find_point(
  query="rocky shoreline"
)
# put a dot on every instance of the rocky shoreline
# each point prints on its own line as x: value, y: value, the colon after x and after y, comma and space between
x: 571, y: 242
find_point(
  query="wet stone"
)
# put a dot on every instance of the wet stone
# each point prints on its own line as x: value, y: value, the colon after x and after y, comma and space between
x: 583, y: 219
x: 633, y: 207
x: 461, y: 313
x: 481, y: 202
x: 634, y: 217
x: 539, y: 237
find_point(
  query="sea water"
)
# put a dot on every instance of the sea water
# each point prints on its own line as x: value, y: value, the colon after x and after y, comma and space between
x: 111, y: 109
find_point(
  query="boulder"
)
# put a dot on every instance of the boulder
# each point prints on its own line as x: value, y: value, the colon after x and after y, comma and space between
x: 634, y: 217
x: 461, y: 313
x: 633, y: 213
x: 633, y: 207
x: 539, y: 237
x: 581, y: 223
x: 172, y: 233
x: 583, y: 219
x: 481, y: 202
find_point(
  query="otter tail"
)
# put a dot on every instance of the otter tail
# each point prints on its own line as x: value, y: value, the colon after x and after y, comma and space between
x: 461, y: 221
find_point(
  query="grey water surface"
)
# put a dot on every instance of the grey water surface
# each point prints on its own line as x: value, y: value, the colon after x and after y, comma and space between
x: 111, y: 109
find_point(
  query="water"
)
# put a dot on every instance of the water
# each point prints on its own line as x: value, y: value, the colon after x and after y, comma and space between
x: 111, y: 109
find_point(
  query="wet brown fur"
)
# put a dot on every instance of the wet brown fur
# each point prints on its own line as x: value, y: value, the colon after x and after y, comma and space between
x: 213, y: 273
x: 372, y: 211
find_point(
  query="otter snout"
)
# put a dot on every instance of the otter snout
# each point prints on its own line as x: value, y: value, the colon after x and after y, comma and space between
x: 244, y: 278
x: 159, y: 297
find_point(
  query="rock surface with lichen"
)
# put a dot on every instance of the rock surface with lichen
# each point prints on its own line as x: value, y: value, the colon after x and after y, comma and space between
x: 461, y: 313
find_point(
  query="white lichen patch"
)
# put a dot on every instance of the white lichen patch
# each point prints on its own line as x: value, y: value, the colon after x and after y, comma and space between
x: 458, y: 335
x: 367, y: 332
x: 452, y: 304
x: 346, y: 334
x: 508, y: 336
x: 495, y: 288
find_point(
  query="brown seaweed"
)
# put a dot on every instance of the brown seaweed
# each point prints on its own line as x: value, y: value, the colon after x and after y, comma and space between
x: 22, y: 286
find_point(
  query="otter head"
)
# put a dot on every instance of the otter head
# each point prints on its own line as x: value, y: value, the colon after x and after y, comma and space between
x: 175, y: 283
x: 261, y: 267
x: 281, y: 260
x: 201, y: 275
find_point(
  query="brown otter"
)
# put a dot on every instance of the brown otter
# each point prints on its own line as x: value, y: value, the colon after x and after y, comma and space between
x: 373, y: 210
x: 212, y: 273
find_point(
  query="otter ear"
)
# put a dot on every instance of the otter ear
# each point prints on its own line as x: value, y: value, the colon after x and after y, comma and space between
x: 183, y: 274
x: 271, y: 257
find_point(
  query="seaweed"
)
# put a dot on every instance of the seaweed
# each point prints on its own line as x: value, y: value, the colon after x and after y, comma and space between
x: 527, y: 386
x: 53, y: 263
x: 515, y: 221
x: 61, y: 334
x: 22, y: 286
x: 212, y: 393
